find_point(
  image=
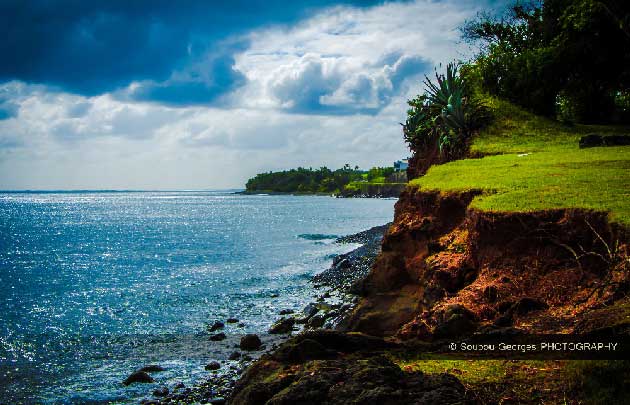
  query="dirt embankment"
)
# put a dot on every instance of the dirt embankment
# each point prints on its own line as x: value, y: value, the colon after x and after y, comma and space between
x: 447, y: 270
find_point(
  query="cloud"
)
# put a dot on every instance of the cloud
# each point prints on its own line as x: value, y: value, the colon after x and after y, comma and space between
x: 349, y: 60
x: 99, y: 46
x: 301, y: 88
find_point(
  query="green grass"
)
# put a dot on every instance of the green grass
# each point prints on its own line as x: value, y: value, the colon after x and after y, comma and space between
x: 551, y: 171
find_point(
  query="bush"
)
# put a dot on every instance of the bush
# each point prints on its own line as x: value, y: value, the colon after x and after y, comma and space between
x: 446, y: 115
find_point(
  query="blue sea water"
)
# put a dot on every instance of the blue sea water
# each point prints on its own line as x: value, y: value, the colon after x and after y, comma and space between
x: 95, y: 284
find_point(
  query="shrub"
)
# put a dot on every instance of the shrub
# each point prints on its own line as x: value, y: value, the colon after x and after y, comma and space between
x: 446, y: 115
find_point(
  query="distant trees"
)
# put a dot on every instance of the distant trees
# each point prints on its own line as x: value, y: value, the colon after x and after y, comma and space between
x: 322, y: 180
x: 563, y: 58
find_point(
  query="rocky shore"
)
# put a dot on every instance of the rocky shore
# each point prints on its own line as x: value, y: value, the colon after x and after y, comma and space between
x: 336, y: 285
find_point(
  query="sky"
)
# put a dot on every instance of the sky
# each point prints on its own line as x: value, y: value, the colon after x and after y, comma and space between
x: 157, y: 94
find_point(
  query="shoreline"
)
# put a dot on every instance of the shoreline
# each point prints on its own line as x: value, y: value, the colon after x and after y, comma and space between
x: 336, y: 297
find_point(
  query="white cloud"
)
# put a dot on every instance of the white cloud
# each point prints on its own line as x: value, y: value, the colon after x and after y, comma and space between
x: 328, y: 91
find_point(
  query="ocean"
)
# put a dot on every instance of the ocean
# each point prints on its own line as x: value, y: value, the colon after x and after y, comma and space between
x: 94, y: 285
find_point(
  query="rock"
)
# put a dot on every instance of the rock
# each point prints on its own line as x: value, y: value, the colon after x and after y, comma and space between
x: 316, y: 321
x: 216, y: 326
x: 326, y: 295
x: 179, y: 386
x: 282, y: 326
x: 527, y: 304
x: 213, y: 365
x: 491, y: 293
x: 138, y: 377
x: 232, y: 320
x: 149, y: 402
x: 303, y: 350
x: 591, y: 140
x: 457, y: 321
x: 241, y: 325
x: 161, y: 391
x: 286, y: 312
x: 274, y: 295
x: 218, y: 401
x: 250, y: 342
x: 152, y: 368
x: 234, y: 356
x: 218, y: 337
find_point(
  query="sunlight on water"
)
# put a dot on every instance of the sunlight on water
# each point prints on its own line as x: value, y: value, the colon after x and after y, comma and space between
x: 95, y: 285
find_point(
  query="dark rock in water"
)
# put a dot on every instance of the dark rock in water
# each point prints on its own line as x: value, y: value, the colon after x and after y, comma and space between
x: 241, y: 325
x: 213, y: 365
x: 250, y: 342
x: 138, y: 377
x: 179, y: 386
x: 316, y: 321
x: 149, y: 402
x: 232, y: 320
x: 216, y: 326
x: 527, y: 304
x: 234, y: 356
x: 218, y: 337
x: 152, y: 368
x: 161, y: 392
x: 286, y: 312
x: 282, y: 326
x: 274, y: 295
x: 326, y: 295
x: 218, y: 401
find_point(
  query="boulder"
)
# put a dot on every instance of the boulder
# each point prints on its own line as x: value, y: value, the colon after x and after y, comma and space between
x: 161, y: 392
x: 213, y: 365
x: 282, y: 326
x: 527, y: 304
x: 286, y: 312
x: 234, y: 356
x: 232, y: 320
x: 138, y: 377
x: 316, y: 321
x: 152, y: 368
x: 456, y: 321
x: 250, y: 342
x: 216, y: 326
x: 218, y: 337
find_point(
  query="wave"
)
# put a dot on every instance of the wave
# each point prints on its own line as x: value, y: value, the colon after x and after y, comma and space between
x: 316, y: 236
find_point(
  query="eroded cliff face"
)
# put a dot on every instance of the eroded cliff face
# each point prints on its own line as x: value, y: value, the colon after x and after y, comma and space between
x: 448, y: 270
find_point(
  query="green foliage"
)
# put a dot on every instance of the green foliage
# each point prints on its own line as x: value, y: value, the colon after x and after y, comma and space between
x: 322, y: 180
x: 379, y: 174
x: 601, y: 382
x: 446, y: 115
x: 565, y: 58
x: 533, y: 163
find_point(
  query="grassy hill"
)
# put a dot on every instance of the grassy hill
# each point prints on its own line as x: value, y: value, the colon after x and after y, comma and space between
x: 530, y: 163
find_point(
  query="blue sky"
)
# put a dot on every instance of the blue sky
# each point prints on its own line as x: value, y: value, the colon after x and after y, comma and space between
x: 204, y: 94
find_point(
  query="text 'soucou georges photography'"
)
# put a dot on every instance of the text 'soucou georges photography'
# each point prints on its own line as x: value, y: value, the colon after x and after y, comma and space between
x: 315, y: 202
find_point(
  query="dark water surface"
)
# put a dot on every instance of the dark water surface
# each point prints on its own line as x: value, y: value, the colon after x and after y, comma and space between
x: 95, y: 284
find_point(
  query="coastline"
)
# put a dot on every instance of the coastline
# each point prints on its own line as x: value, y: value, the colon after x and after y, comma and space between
x: 336, y: 297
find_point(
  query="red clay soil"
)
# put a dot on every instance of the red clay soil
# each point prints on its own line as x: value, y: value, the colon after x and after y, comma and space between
x: 542, y: 272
